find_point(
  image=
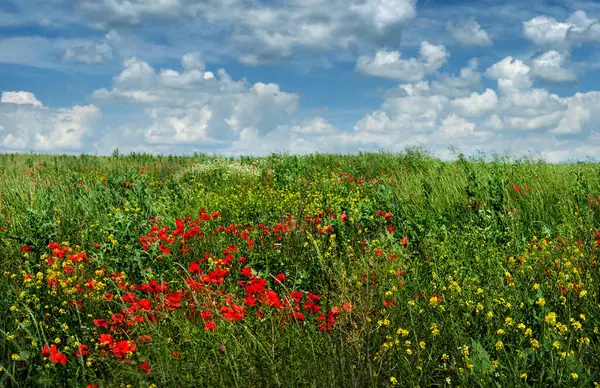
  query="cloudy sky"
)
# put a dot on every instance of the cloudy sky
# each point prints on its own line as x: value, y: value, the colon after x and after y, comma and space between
x: 260, y: 76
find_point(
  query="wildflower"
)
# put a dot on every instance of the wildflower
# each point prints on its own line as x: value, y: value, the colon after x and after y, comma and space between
x: 15, y: 357
x: 393, y: 380
x: 123, y: 349
x: 210, y: 326
x: 280, y: 278
x: 145, y: 366
x: 433, y: 301
x: 54, y: 355
x: 541, y: 302
x: 499, y: 345
x: 550, y: 318
x: 523, y: 376
x: 574, y: 376
x: 535, y: 344
x: 82, y: 350
x: 105, y: 339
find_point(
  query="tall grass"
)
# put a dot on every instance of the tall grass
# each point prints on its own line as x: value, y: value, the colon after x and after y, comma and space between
x: 456, y: 287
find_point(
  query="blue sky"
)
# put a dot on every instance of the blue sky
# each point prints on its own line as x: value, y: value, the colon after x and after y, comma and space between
x: 256, y: 76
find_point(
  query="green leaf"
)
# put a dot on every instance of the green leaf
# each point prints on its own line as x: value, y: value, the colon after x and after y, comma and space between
x: 480, y: 358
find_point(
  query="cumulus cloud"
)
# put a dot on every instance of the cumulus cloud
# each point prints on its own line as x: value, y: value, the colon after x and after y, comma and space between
x: 26, y: 124
x: 510, y: 73
x: 578, y: 29
x: 460, y: 85
x: 266, y: 31
x: 470, y: 33
x: 94, y: 52
x: 513, y: 116
x: 20, y: 98
x: 317, y: 126
x: 192, y: 106
x: 476, y: 103
x: 388, y: 64
x: 549, y: 66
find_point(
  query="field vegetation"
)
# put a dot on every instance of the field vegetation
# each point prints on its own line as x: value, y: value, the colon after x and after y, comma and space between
x: 313, y: 271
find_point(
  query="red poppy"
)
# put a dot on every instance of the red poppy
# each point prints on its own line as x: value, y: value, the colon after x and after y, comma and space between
x: 122, y: 348
x: 105, y: 339
x: 100, y: 323
x: 280, y: 278
x: 145, y: 366
x: 82, y: 350
x: 344, y: 218
x: 210, y: 325
x: 54, y: 355
x: 206, y: 315
x: 145, y: 304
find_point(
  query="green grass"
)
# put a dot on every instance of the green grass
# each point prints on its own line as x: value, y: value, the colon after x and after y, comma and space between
x: 497, y: 283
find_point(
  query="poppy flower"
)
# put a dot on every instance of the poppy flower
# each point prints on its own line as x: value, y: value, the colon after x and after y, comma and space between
x: 105, y: 339
x: 210, y: 326
x: 82, y: 350
x: 280, y: 278
x: 123, y: 348
x: 145, y: 304
x: 54, y: 355
x: 145, y: 366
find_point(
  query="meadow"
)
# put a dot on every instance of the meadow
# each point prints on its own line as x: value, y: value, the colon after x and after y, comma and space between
x: 313, y: 271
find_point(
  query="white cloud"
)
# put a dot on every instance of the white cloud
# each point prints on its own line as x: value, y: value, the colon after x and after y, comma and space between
x: 476, y: 103
x: 576, y: 30
x: 388, y: 64
x: 510, y: 73
x: 470, y: 33
x: 89, y: 53
x: 515, y: 116
x: 266, y: 31
x: 459, y: 85
x: 26, y: 124
x: 317, y: 126
x: 455, y: 126
x: 20, y: 98
x: 550, y: 67
x: 194, y: 107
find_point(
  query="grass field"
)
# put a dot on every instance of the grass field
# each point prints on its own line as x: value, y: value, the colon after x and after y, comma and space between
x: 313, y: 271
